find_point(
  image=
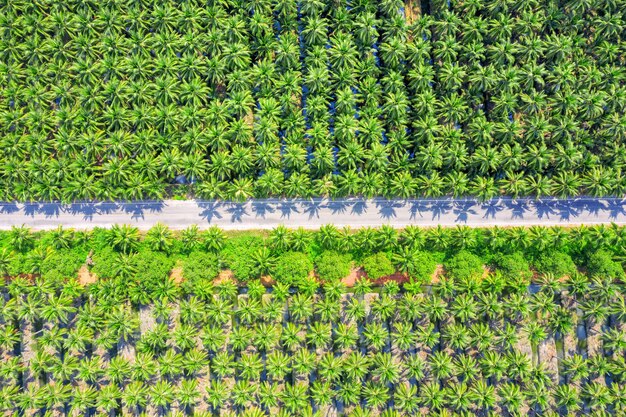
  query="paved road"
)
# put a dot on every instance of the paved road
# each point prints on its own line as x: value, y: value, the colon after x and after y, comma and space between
x: 312, y: 213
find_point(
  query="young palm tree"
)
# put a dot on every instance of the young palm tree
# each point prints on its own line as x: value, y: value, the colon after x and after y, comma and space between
x: 124, y: 238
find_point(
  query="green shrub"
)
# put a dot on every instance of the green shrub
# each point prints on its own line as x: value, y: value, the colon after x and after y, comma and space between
x: 292, y: 267
x: 332, y: 266
x: 104, y: 261
x: 556, y: 263
x: 513, y: 267
x: 378, y: 265
x: 152, y: 268
x: 601, y: 263
x: 464, y: 265
x: 238, y: 256
x: 18, y: 264
x: 200, y: 266
x: 63, y: 264
x: 423, y: 266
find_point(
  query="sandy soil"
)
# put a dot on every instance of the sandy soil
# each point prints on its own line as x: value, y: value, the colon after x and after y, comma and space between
x: 177, y: 274
x: 147, y: 321
x: 85, y: 277
x: 436, y: 276
x: 267, y: 280
x: 354, y: 275
x: 523, y: 345
x: 359, y: 273
x: 224, y: 276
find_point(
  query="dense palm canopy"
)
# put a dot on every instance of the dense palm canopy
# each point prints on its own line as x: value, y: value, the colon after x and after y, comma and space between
x: 233, y: 99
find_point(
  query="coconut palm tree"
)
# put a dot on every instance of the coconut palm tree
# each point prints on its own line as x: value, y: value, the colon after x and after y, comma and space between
x: 123, y: 238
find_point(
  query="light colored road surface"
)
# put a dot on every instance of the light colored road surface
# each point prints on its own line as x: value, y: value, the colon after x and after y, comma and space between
x: 312, y: 213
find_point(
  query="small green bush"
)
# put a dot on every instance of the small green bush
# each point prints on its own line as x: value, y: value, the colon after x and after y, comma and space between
x: 513, y: 267
x: 200, y: 266
x: 62, y: 264
x: 18, y: 264
x: 104, y: 262
x: 378, y: 265
x: 332, y: 266
x: 238, y: 256
x: 292, y: 267
x: 423, y: 266
x: 556, y: 263
x: 601, y: 263
x: 152, y: 267
x: 464, y: 265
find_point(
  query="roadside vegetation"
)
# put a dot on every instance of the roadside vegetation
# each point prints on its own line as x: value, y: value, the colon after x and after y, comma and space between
x: 460, y: 322
x: 295, y: 257
x: 231, y: 99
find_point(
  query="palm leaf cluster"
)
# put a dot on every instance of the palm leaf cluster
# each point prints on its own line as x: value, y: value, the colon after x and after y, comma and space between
x: 454, y: 349
x: 233, y: 99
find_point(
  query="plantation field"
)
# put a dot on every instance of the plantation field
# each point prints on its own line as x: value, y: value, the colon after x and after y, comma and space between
x: 456, y: 348
x: 131, y: 99
x: 437, y: 322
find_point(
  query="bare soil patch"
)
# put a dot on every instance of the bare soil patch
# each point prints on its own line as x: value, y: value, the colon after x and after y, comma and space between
x: 225, y: 275
x: 267, y: 280
x: 176, y: 274
x: 354, y: 275
x: 398, y: 277
x: 359, y: 273
x: 436, y: 276
x: 85, y: 277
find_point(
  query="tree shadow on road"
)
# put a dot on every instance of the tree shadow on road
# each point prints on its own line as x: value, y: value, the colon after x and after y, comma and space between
x: 312, y: 208
x: 237, y: 211
x: 138, y: 209
x: 262, y: 208
x: 518, y: 208
x: 286, y: 208
x: 491, y: 207
x: 616, y: 208
x: 440, y: 208
x: 88, y: 210
x: 9, y: 208
x: 210, y: 210
x: 417, y: 207
x: 463, y: 209
x: 568, y: 209
x: 387, y: 209
x: 337, y: 207
x: 358, y: 208
x: 544, y: 208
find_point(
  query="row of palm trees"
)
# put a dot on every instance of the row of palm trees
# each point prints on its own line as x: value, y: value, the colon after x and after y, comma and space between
x: 461, y: 348
x: 409, y: 249
x: 232, y: 99
x: 127, y: 239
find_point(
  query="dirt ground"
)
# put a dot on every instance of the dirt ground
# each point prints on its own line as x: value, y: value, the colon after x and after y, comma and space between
x: 177, y: 274
x: 85, y: 277
x: 359, y: 273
